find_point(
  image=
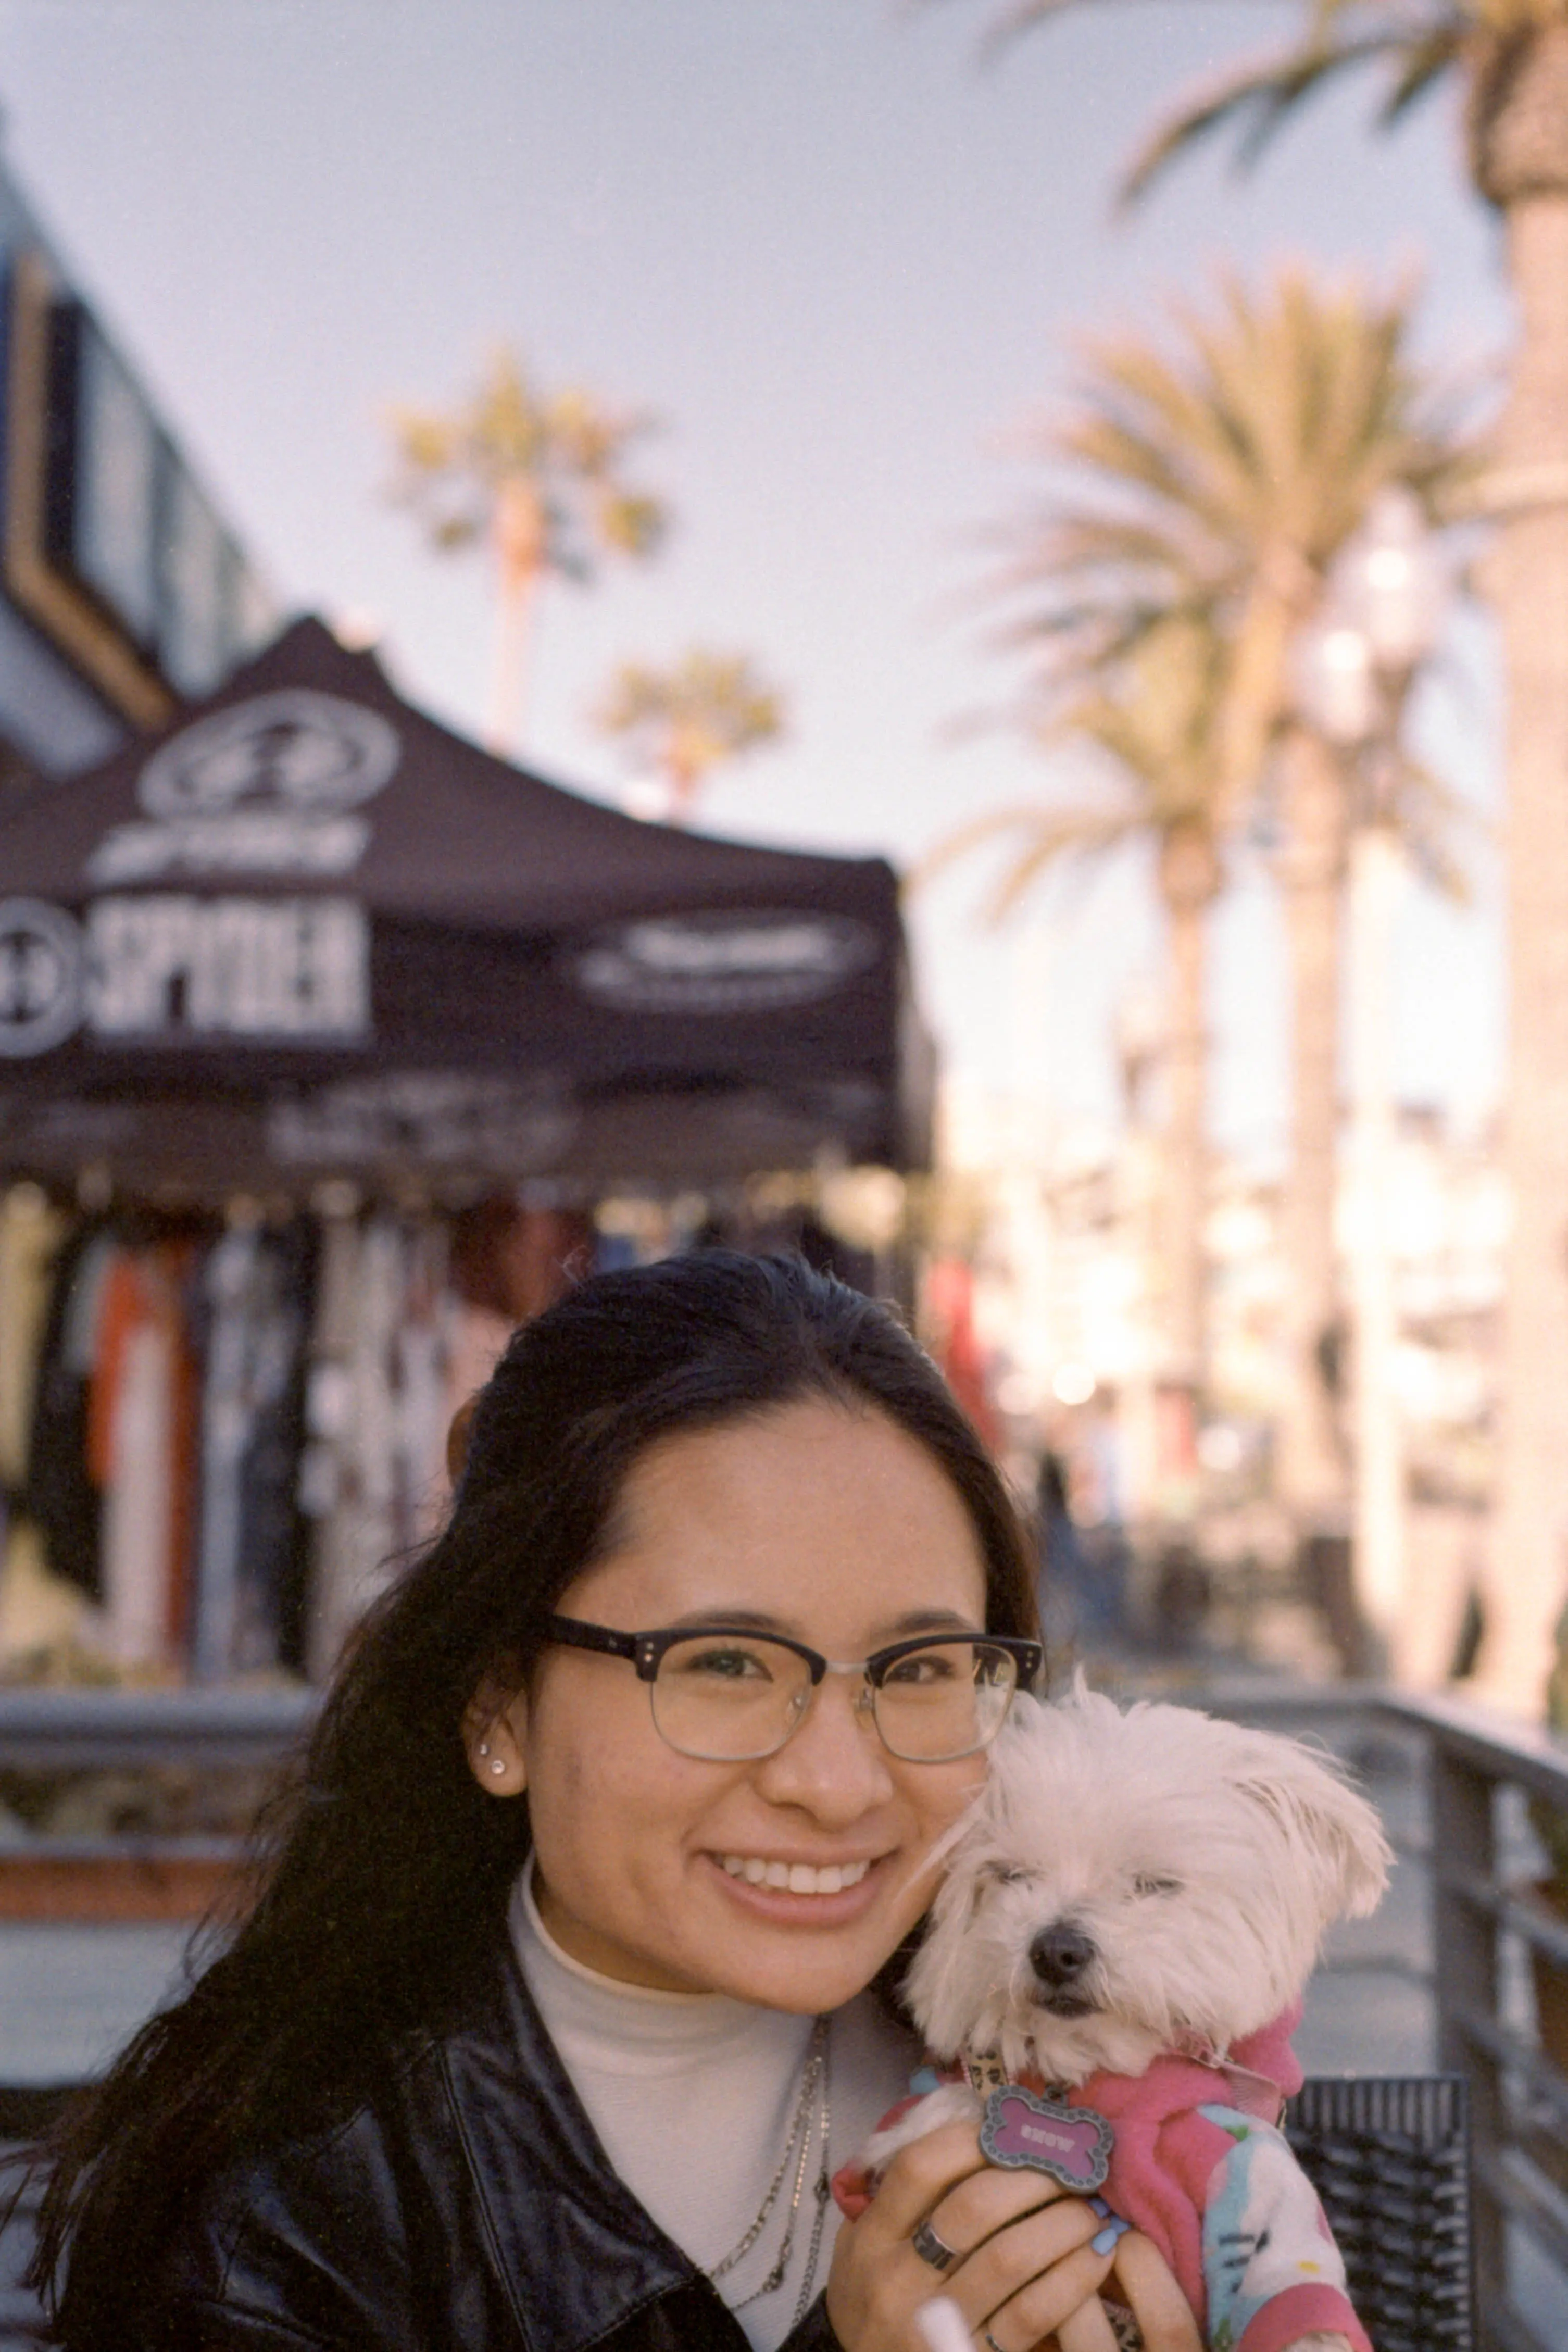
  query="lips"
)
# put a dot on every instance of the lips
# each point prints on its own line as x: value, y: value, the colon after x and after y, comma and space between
x: 793, y: 1877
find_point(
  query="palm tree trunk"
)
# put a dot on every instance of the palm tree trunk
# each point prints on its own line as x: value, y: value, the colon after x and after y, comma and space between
x: 682, y: 778
x: 1528, y: 1575
x: 1311, y: 1469
x: 510, y: 666
x: 520, y: 547
x: 1189, y: 879
x: 1382, y: 1584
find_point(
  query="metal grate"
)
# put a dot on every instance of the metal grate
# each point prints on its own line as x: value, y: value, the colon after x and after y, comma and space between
x: 1389, y: 2158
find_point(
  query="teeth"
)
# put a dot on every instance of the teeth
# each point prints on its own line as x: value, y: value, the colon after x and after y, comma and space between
x: 797, y: 1877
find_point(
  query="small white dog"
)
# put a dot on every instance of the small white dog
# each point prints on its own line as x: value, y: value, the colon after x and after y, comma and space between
x: 1130, y: 1912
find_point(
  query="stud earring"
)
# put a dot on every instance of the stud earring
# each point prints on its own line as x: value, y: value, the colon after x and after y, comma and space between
x: 483, y: 1748
x: 497, y: 1766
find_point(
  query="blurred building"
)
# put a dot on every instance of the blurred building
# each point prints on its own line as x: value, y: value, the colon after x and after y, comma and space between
x: 1063, y: 1234
x: 122, y: 587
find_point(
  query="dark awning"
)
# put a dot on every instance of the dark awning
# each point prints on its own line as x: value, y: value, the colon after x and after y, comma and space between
x: 307, y: 932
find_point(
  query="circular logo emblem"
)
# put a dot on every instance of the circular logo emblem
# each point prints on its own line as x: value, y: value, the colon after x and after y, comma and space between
x: 304, y: 750
x: 40, y: 977
x: 724, y: 962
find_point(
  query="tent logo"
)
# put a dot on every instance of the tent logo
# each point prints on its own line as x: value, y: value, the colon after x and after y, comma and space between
x: 264, y: 787
x: 724, y: 962
x: 421, y: 1119
x: 177, y: 970
x: 40, y: 977
x: 307, y: 751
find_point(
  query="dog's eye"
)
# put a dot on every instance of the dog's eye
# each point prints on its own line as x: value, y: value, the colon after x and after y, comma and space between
x: 1002, y: 1873
x: 1146, y: 1882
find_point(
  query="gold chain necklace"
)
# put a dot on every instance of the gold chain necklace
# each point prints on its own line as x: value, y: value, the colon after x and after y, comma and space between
x: 808, y: 2125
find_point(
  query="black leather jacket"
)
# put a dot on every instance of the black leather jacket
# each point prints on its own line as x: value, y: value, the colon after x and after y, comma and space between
x: 468, y: 2207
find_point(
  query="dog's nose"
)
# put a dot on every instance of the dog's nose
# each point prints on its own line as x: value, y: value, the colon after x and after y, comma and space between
x: 1059, y: 1953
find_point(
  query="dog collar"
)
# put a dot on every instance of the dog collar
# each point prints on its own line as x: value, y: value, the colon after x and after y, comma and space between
x: 1255, y: 2094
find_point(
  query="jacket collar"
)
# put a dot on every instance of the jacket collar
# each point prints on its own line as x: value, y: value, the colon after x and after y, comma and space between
x: 576, y: 2254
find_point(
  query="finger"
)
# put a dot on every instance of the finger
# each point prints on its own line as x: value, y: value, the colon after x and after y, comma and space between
x: 1043, y: 2250
x: 987, y: 2202
x: 1087, y: 2330
x: 918, y: 2178
x: 1038, y: 2309
x: 1162, y: 2310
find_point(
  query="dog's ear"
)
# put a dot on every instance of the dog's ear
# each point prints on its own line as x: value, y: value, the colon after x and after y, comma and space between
x: 1334, y: 1831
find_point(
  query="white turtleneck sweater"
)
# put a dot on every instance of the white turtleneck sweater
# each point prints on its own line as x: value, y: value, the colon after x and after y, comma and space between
x: 692, y: 2095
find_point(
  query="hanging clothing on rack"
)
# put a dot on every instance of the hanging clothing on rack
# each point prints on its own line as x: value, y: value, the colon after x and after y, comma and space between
x: 35, y: 1609
x: 353, y: 1412
x: 219, y: 1446
x: 328, y: 1470
x: 249, y: 1602
x: 424, y: 1342
x: 61, y: 1494
x: 31, y: 1233
x: 140, y: 1452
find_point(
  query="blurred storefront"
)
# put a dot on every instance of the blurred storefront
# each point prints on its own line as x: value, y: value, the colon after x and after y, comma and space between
x: 122, y: 587
x: 330, y: 1047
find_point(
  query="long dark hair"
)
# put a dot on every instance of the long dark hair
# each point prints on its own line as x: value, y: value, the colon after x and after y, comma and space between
x: 382, y: 1870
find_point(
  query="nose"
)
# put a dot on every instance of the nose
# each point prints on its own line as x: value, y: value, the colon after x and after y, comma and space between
x: 1059, y: 1954
x: 833, y: 1765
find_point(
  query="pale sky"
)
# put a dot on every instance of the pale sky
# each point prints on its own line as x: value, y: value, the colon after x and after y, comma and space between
x: 843, y: 261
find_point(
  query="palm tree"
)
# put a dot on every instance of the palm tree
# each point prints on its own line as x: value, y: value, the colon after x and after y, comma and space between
x: 536, y: 476
x: 1218, y: 478
x: 1153, y: 720
x: 1510, y: 58
x: 687, y: 720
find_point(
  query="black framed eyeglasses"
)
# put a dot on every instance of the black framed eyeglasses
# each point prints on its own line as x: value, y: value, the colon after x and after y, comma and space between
x: 726, y: 1694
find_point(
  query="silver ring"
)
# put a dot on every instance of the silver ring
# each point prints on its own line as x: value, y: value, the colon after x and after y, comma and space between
x: 935, y: 2249
x: 991, y: 2340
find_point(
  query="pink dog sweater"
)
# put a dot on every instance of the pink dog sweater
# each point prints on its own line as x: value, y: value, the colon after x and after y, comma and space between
x: 1193, y: 2137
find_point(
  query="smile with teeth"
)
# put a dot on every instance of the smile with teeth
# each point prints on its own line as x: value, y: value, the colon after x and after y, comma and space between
x: 795, y: 1877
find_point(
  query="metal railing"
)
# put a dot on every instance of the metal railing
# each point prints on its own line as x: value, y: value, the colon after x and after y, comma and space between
x: 1467, y: 1966
x: 1467, y: 1835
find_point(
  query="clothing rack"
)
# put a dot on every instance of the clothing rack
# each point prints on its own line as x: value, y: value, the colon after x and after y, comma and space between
x: 221, y: 1434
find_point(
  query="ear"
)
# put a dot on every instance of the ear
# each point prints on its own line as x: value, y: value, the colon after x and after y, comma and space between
x: 495, y: 1738
x: 1337, y: 1833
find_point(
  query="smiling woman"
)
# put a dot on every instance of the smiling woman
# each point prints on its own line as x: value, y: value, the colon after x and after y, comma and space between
x: 554, y: 2010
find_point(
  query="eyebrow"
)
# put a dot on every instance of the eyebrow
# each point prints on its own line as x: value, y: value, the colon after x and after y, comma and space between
x: 760, y: 1620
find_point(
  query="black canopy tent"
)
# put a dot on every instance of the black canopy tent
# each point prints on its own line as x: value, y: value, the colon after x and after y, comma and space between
x: 309, y: 932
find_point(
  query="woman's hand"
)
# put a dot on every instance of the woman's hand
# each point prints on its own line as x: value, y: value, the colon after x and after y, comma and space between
x: 1024, y: 2263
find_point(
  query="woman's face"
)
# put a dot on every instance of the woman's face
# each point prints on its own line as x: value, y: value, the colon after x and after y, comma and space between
x: 821, y: 1521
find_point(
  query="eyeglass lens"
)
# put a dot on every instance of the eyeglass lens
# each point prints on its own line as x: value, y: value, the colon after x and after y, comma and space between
x: 728, y: 1698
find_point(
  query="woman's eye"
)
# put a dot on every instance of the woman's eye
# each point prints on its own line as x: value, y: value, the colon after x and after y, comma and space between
x: 725, y: 1665
x: 1148, y: 1883
x: 926, y: 1666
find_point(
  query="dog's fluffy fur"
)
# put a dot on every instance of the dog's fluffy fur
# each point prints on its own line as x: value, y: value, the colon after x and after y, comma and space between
x: 1203, y: 1862
x: 1200, y: 1863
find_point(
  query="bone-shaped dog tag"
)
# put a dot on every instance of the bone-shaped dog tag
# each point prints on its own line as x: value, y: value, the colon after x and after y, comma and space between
x: 1023, y: 2132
